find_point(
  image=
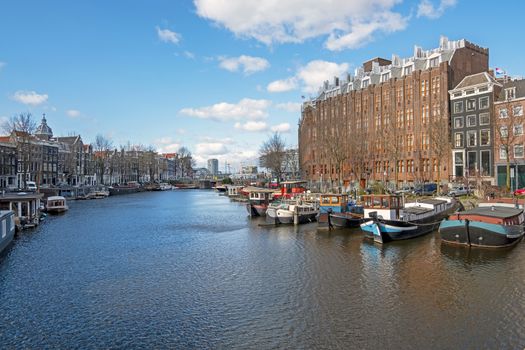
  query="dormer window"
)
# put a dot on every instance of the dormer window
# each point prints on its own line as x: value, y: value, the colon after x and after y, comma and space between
x: 433, y: 62
x: 408, y: 70
x: 365, y: 83
x: 385, y: 77
x: 510, y: 93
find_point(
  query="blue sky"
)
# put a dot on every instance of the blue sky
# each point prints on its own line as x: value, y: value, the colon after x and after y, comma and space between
x: 218, y: 77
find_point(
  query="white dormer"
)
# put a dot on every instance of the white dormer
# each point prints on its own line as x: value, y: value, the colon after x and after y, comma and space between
x: 365, y: 82
x: 385, y: 76
x: 408, y: 69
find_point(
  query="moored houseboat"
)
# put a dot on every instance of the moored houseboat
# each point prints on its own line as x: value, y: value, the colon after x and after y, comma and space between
x: 56, y: 204
x: 493, y: 226
x: 292, y: 212
x: 7, y: 228
x: 387, y: 219
x: 259, y: 199
x: 338, y: 211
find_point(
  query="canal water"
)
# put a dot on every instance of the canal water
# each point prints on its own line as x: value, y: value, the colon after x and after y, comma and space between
x: 189, y: 269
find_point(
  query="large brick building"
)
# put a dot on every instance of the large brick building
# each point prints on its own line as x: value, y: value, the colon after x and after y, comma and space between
x: 390, y: 121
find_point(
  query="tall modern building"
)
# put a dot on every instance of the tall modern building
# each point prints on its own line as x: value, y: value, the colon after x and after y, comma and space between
x: 390, y: 120
x: 213, y: 166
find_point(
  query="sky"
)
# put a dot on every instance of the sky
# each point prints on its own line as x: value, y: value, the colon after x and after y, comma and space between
x: 216, y: 76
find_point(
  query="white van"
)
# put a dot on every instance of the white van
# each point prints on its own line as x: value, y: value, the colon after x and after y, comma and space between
x: 31, y: 186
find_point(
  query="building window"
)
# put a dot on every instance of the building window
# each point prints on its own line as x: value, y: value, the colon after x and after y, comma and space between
x: 518, y: 129
x: 517, y: 111
x: 408, y: 70
x: 502, y: 152
x: 471, y: 104
x: 458, y: 139
x: 518, y: 151
x: 484, y: 137
x: 472, y: 160
x: 503, y: 113
x: 510, y: 93
x: 483, y: 102
x: 385, y: 77
x: 469, y: 92
x: 365, y: 83
x: 433, y: 62
x: 484, y: 119
x: 504, y: 131
x: 458, y: 164
x: 458, y: 107
x: 458, y: 122
x: 485, y: 163
x: 471, y: 120
x: 483, y: 89
x: 457, y: 94
x: 471, y: 138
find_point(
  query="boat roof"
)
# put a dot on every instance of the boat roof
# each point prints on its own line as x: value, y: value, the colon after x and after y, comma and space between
x: 494, y: 211
x: 294, y: 182
x: 334, y: 194
x: 432, y: 201
x: 258, y: 189
x: 55, y: 198
x: 416, y: 210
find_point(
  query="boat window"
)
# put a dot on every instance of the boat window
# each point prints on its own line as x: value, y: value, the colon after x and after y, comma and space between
x: 326, y: 200
x: 377, y: 201
x: 335, y: 200
x: 385, y: 202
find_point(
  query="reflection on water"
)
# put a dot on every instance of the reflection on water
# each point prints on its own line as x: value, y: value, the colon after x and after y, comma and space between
x: 189, y: 269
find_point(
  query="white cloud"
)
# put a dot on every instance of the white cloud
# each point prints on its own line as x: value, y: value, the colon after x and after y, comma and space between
x: 283, y: 127
x: 168, y: 36
x: 362, y: 32
x: 282, y: 85
x: 427, y: 9
x: 30, y: 97
x: 211, y: 149
x: 245, y: 109
x: 189, y: 55
x: 316, y: 72
x: 247, y: 64
x: 289, y: 106
x: 251, y: 126
x: 294, y: 21
x: 166, y: 144
x: 73, y: 113
x: 310, y: 77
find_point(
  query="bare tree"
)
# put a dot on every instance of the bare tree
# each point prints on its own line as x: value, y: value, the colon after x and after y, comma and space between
x: 272, y: 154
x: 22, y: 127
x: 439, y: 138
x: 103, y: 147
x: 185, y: 161
x: 506, y: 121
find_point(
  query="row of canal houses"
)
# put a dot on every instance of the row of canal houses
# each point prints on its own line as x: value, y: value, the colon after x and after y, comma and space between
x: 58, y: 161
x: 441, y: 115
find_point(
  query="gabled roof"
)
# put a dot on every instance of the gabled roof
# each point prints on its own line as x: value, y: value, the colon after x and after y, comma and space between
x: 520, y: 89
x: 476, y: 79
x: 69, y: 139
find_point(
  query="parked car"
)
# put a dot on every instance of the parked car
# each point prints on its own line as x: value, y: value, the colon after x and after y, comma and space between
x: 405, y: 189
x: 459, y: 191
x: 520, y: 192
x: 425, y: 189
x: 31, y: 186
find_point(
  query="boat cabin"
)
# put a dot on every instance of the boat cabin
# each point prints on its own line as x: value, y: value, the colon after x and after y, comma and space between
x: 500, y: 215
x: 56, y: 204
x: 386, y: 206
x: 259, y: 195
x: 290, y: 189
x: 338, y: 203
x: 234, y: 191
x: 424, y: 208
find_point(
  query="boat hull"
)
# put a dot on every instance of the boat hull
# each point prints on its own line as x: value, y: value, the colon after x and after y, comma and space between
x: 7, y: 229
x: 480, y: 234
x: 339, y: 220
